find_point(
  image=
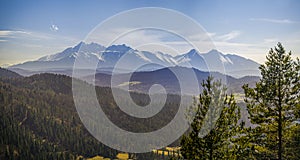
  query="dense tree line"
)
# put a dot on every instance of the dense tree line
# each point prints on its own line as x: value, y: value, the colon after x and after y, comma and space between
x: 39, y: 119
x: 40, y: 123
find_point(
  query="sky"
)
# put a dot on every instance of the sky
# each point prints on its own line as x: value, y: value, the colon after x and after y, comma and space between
x: 32, y: 29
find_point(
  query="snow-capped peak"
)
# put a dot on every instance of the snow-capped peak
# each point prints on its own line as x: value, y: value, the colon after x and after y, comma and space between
x: 108, y: 57
x: 80, y: 48
x: 193, y: 52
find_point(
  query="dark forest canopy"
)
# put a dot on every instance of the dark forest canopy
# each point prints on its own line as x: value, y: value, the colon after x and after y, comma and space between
x: 39, y: 119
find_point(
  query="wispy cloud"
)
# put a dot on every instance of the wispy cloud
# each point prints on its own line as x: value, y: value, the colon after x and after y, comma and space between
x: 19, y: 34
x: 205, y: 36
x: 157, y: 41
x: 253, y: 50
x: 229, y: 36
x: 22, y: 45
x: 280, y: 21
x: 271, y: 40
x: 10, y: 33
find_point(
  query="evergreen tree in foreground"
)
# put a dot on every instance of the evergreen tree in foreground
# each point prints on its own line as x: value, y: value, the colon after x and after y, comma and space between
x: 272, y: 104
x: 214, y: 126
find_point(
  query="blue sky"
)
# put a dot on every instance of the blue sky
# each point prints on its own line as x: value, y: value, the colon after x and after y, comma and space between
x: 31, y: 29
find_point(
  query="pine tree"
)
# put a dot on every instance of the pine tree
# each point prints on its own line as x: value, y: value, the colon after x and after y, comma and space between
x: 293, y: 145
x: 214, y: 125
x: 271, y: 104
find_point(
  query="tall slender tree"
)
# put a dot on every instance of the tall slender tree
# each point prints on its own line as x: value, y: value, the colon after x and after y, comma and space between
x: 272, y: 102
x: 214, y: 125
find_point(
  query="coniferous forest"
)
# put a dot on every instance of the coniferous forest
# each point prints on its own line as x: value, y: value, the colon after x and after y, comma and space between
x: 39, y: 119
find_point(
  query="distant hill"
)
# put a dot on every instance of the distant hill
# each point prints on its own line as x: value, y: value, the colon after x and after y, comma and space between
x: 8, y: 74
x: 142, y: 81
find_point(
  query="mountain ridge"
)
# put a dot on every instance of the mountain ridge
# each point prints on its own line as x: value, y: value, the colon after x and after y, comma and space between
x: 108, y: 57
x: 142, y: 81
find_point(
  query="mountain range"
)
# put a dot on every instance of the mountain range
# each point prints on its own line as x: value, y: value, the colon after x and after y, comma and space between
x: 106, y: 59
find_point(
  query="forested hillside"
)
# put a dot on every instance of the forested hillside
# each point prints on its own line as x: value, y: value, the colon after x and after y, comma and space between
x: 39, y: 119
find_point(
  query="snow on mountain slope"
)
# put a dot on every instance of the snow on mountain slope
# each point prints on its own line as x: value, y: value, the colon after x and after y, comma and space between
x: 192, y: 59
x: 127, y: 59
x: 230, y: 64
x: 92, y: 48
